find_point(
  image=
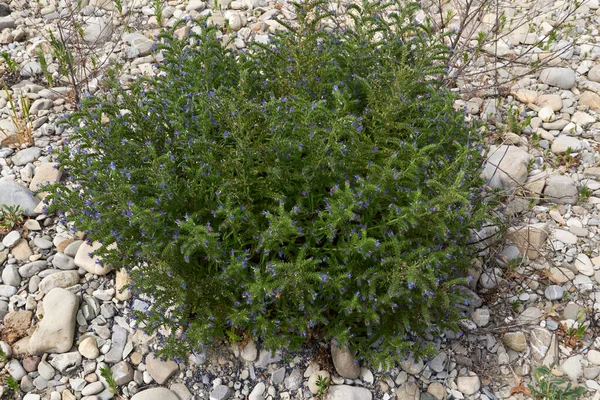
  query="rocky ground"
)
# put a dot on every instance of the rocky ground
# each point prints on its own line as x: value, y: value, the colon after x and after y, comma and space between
x: 535, y: 293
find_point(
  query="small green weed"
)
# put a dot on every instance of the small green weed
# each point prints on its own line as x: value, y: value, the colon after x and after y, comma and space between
x: 158, y: 11
x: 107, y: 374
x: 549, y: 387
x: 10, y: 217
x: 323, y: 383
x: 11, y: 64
x: 584, y: 193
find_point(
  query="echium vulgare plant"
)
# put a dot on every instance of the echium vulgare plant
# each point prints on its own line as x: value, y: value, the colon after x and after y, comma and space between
x: 318, y: 186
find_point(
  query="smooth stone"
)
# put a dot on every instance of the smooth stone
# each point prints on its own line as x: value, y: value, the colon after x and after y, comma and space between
x: 257, y: 392
x: 7, y: 291
x: 278, y: 376
x: 561, y: 189
x: 565, y: 237
x: 66, y: 362
x: 160, y: 370
x: 515, y: 341
x: 155, y: 394
x: 26, y: 156
x: 584, y: 265
x: 184, y: 393
x: 530, y: 315
x: 11, y: 239
x: 294, y: 380
x: 344, y: 362
x: 506, y: 167
x: 249, y: 352
x: 15, y: 369
x: 563, y: 78
x: 92, y: 388
x: 572, y: 367
x: 468, y: 385
x: 63, y: 261
x: 13, y: 194
x: 221, y: 392
x: 554, y: 292
x: 345, y: 392
x: 56, y: 331
x: 83, y: 259
x: 62, y: 279
x: 10, y: 275
x: 590, y: 99
x: 89, y: 348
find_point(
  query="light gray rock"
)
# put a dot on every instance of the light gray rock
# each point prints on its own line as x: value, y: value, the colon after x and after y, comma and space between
x: 249, y: 352
x: 56, y: 331
x: 506, y: 167
x: 122, y: 373
x: 63, y: 261
x: 278, y: 376
x: 438, y: 363
x: 412, y: 366
x: 92, y: 389
x: 554, y: 292
x: 155, y: 394
x: 62, y: 279
x: 346, y: 392
x: 195, y: 5
x: 11, y: 239
x: 531, y: 315
x: 42, y: 243
x: 563, y: 143
x: 294, y: 380
x: 26, y: 156
x: 92, y: 264
x: 7, y: 23
x: 30, y: 269
x: 266, y: 358
x: 561, y: 189
x: 13, y: 194
x: 184, y: 393
x: 10, y: 275
x: 572, y: 367
x: 118, y: 339
x: 7, y: 291
x: 344, y: 361
x: 141, y: 43
x: 563, y: 78
x: 468, y: 385
x: 160, y: 370
x: 97, y: 30
x: 221, y: 392
x: 66, y: 362
x: 46, y: 370
x: 41, y: 104
x: 15, y: 369
x: 31, y: 69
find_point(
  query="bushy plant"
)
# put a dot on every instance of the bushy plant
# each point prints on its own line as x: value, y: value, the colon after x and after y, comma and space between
x: 321, y: 185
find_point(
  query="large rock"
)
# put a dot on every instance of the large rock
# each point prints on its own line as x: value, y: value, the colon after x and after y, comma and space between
x: 561, y: 189
x: 56, y: 330
x: 344, y: 361
x: 563, y: 78
x: 155, y: 394
x: 346, y: 392
x: 515, y: 341
x: 13, y: 194
x: 62, y: 279
x: 92, y: 264
x: 529, y: 239
x: 160, y: 370
x: 506, y: 167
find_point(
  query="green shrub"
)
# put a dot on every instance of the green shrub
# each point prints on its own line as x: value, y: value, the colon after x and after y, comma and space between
x: 321, y: 185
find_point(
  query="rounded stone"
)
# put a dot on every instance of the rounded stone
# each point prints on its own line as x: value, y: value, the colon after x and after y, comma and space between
x: 554, y: 292
x: 89, y: 348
